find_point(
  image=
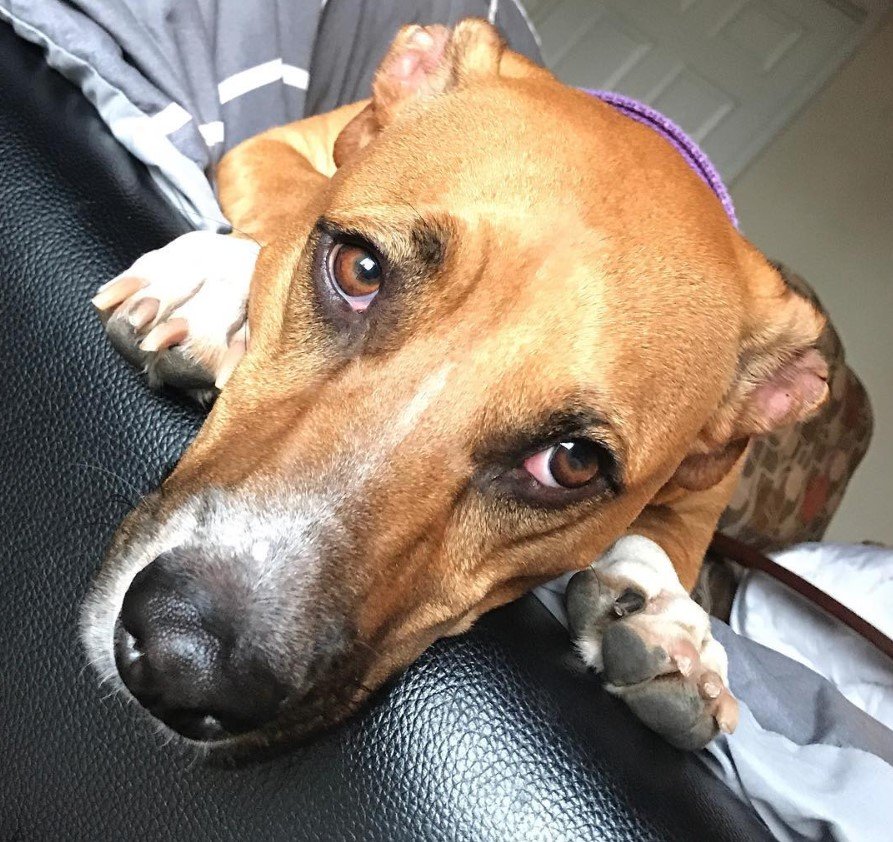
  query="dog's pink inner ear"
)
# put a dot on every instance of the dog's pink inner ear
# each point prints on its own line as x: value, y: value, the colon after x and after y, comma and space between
x: 422, y: 62
x: 792, y: 393
x: 779, y: 378
x: 416, y: 65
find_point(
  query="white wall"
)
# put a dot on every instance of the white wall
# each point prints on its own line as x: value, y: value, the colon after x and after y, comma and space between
x: 820, y: 198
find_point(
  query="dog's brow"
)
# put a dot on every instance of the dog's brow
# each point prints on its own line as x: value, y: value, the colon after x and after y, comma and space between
x: 429, y: 242
x: 574, y: 419
x: 415, y: 242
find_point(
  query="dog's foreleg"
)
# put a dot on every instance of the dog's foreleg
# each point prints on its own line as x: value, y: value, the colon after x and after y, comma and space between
x: 270, y: 185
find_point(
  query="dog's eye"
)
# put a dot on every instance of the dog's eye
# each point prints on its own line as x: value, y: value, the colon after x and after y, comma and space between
x: 570, y: 464
x: 356, y: 274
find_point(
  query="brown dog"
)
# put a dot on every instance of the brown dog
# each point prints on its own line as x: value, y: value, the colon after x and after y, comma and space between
x: 495, y: 326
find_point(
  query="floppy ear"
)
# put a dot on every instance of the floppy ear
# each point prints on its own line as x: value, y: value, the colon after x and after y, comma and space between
x: 781, y: 378
x: 422, y: 62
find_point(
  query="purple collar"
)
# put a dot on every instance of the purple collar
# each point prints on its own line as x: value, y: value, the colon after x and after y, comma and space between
x: 693, y: 154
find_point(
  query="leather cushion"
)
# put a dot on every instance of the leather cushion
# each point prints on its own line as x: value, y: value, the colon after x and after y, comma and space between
x: 494, y: 735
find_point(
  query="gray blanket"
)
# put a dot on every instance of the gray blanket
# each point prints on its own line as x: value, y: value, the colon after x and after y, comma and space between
x: 179, y: 82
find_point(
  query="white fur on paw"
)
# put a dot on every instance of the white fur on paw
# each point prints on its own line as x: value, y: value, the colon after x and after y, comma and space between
x: 635, y: 563
x: 185, y: 300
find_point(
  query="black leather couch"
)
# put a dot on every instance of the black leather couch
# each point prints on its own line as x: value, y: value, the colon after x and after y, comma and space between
x: 494, y: 735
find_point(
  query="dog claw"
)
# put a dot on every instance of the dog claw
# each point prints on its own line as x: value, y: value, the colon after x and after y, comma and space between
x: 685, y: 657
x: 727, y: 712
x: 143, y: 312
x: 711, y: 685
x: 231, y: 358
x: 118, y: 290
x: 684, y: 665
x: 165, y: 335
x: 629, y: 602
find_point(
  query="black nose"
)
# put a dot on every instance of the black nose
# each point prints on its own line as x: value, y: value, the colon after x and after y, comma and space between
x: 180, y: 650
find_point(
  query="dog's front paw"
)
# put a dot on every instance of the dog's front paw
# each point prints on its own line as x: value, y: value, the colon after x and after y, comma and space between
x: 636, y: 625
x: 179, y: 312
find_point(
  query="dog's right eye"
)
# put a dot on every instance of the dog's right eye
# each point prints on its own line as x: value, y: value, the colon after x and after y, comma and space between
x: 356, y: 274
x: 570, y: 464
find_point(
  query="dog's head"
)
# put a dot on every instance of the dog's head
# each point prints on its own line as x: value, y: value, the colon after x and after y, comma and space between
x: 518, y: 316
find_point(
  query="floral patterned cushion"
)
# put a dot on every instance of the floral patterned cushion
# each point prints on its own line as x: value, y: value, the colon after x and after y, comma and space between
x: 794, y: 480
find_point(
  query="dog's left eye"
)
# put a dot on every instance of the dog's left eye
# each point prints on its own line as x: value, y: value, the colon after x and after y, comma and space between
x: 356, y: 274
x: 570, y: 464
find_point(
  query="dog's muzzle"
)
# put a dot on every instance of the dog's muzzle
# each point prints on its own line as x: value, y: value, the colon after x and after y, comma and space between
x: 226, y: 616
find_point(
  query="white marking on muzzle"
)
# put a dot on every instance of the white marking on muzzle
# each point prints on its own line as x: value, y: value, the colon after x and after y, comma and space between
x: 375, y: 456
x: 269, y: 538
x: 412, y: 413
x: 260, y: 550
x: 272, y: 534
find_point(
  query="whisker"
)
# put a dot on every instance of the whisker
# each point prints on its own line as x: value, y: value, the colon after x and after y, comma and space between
x: 111, y: 474
x: 369, y: 691
x: 245, y: 234
x: 126, y: 500
x: 371, y: 648
x: 403, y: 200
x: 91, y: 524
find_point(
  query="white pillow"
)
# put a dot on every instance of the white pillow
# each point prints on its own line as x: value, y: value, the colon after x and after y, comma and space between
x: 859, y: 576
